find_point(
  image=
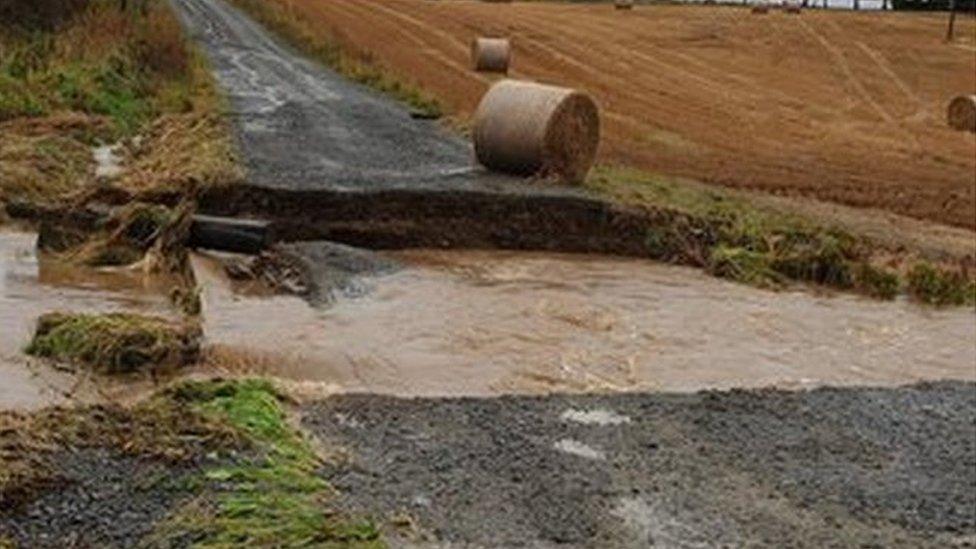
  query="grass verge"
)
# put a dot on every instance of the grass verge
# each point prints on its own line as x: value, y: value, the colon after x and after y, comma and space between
x: 115, y: 343
x: 94, y: 74
x: 128, y: 65
x: 271, y: 499
x: 254, y: 482
x: 732, y: 238
x: 353, y: 63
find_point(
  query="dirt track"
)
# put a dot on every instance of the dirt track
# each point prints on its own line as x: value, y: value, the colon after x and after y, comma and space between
x: 840, y: 106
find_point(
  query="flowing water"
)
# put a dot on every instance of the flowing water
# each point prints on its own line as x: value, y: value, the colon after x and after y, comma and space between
x: 31, y: 286
x: 481, y: 323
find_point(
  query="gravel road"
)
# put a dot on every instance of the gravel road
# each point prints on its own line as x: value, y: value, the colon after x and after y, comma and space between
x: 303, y: 126
x: 830, y: 467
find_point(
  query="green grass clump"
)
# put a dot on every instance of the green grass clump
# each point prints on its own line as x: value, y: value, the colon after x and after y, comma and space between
x: 731, y: 238
x: 358, y: 66
x: 273, y: 498
x: 115, y: 342
x: 939, y: 287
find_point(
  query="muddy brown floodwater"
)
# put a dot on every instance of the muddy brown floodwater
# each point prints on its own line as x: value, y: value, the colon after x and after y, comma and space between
x: 30, y: 287
x: 484, y: 323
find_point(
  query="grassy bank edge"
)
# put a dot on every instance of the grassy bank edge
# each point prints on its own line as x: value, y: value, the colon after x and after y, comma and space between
x: 253, y: 479
x: 732, y: 237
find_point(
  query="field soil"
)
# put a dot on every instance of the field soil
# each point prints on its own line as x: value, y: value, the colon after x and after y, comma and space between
x: 844, y: 107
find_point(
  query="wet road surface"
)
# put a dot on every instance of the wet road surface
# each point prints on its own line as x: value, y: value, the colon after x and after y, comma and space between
x: 824, y: 468
x: 303, y: 126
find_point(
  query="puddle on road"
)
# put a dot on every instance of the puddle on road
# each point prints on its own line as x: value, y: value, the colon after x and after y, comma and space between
x: 481, y: 323
x: 30, y: 287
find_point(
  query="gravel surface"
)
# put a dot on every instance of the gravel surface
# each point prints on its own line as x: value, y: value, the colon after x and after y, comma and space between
x: 106, y: 500
x: 830, y: 467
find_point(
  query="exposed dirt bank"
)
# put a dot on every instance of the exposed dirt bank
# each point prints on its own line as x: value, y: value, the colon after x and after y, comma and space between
x: 832, y: 467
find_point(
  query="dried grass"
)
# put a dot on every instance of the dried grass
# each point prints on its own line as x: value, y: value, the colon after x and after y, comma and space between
x: 180, y: 152
x: 491, y: 54
x: 527, y: 128
x: 961, y: 113
x: 42, y: 168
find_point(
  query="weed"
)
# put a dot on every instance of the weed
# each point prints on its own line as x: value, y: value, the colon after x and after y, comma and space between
x: 98, y: 60
x: 743, y: 265
x: 939, y: 287
x: 116, y: 342
x: 731, y: 238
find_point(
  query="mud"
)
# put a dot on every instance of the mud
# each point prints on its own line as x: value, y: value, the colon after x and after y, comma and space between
x: 31, y: 286
x: 831, y: 467
x: 489, y: 323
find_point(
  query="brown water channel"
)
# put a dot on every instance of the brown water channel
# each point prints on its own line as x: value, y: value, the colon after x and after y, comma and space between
x: 31, y: 286
x: 482, y: 323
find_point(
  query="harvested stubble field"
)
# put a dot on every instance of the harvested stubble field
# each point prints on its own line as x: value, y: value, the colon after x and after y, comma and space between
x: 844, y: 107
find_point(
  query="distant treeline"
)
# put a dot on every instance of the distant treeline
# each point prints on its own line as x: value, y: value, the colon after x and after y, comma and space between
x: 934, y: 5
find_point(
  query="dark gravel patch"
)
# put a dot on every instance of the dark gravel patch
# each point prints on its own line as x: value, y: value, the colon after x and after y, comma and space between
x: 107, y: 500
x: 830, y: 467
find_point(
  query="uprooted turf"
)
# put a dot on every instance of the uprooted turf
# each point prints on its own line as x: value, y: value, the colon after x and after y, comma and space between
x: 272, y: 499
x: 115, y: 343
x: 239, y: 474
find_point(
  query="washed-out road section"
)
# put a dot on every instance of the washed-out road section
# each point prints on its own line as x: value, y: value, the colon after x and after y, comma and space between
x: 330, y: 159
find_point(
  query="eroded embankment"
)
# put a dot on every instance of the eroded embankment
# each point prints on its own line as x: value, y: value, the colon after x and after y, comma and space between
x: 31, y: 286
x: 721, y: 233
x: 425, y: 218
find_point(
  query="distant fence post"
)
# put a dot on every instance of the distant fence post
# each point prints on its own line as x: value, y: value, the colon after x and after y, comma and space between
x: 952, y: 20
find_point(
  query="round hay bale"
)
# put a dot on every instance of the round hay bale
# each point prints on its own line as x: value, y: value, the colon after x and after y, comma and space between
x: 525, y: 128
x: 962, y: 113
x: 623, y: 4
x: 491, y: 54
